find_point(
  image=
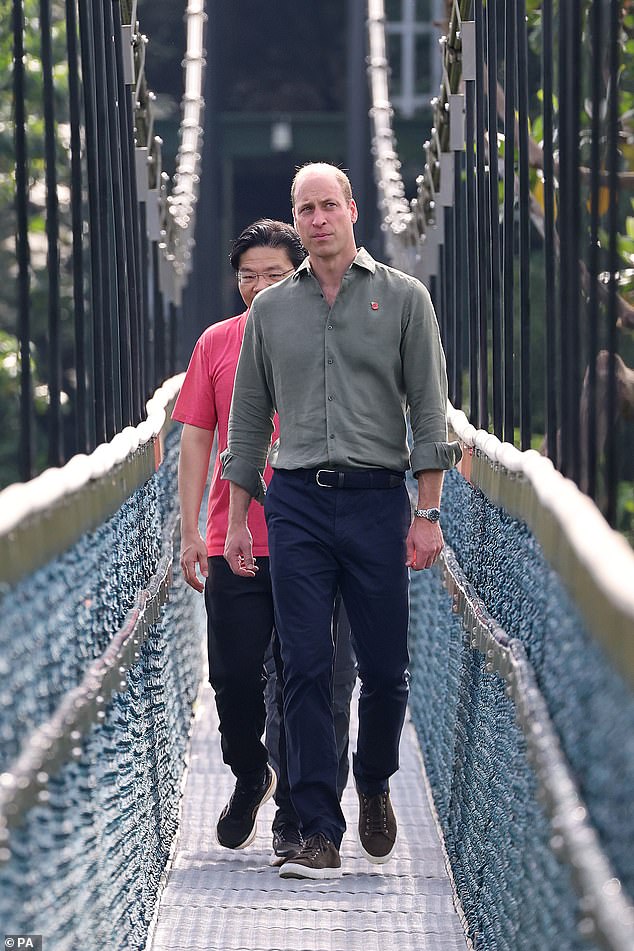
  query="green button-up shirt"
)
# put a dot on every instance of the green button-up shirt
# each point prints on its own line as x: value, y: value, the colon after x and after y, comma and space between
x: 341, y: 378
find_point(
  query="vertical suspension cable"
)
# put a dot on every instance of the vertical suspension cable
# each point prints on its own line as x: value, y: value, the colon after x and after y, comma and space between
x: 80, y: 317
x: 54, y: 415
x: 509, y: 218
x: 108, y: 245
x: 148, y: 304
x: 122, y: 354
x: 611, y: 467
x: 138, y: 232
x: 473, y: 255
x: 569, y: 221
x: 573, y: 290
x: 159, y: 317
x: 448, y: 295
x: 552, y: 387
x: 458, y: 279
x: 129, y: 337
x: 589, y: 437
x: 22, y: 247
x: 524, y: 229
x: 481, y: 205
x: 494, y: 215
x: 109, y: 248
x: 565, y: 247
x: 96, y: 225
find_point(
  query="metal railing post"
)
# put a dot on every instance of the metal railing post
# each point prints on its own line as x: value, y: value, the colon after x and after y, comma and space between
x: 54, y: 415
x: 83, y: 434
x: 524, y: 228
x: 22, y: 247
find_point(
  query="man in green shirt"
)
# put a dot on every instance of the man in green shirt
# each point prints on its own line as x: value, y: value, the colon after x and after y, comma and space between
x: 342, y: 350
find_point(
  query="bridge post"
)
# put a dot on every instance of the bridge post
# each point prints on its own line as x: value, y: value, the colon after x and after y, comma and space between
x: 357, y: 122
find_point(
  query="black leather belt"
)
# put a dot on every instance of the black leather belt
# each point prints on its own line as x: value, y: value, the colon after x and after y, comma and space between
x: 351, y: 478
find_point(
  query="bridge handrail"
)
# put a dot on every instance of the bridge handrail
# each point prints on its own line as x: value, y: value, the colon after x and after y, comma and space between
x: 43, y: 517
x: 610, y: 913
x: 55, y: 742
x: 594, y: 561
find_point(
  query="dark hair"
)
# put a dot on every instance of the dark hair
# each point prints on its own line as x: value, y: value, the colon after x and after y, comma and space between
x: 267, y: 233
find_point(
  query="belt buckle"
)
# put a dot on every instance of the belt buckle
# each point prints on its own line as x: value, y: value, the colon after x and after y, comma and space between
x: 323, y: 485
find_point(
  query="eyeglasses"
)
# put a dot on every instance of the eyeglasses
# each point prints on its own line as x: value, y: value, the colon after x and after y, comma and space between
x: 271, y: 277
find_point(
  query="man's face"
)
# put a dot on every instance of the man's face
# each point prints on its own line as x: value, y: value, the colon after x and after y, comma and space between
x: 323, y: 216
x: 260, y: 267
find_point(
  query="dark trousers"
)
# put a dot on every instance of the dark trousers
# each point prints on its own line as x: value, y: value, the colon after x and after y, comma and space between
x: 321, y: 539
x: 344, y: 678
x: 239, y: 628
x: 244, y: 655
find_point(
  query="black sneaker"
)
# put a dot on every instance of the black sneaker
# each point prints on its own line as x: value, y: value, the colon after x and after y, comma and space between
x: 377, y: 827
x: 237, y: 824
x: 287, y: 841
x: 318, y: 858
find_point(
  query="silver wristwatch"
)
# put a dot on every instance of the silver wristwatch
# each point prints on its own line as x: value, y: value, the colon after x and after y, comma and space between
x: 432, y: 515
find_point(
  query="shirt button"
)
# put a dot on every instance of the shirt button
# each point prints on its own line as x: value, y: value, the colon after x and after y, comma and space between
x: 332, y: 435
x: 329, y: 326
x: 331, y: 398
x: 331, y: 361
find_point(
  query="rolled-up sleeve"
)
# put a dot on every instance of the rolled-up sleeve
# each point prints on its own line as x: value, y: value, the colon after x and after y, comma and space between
x: 235, y: 469
x: 425, y: 377
x: 250, y: 418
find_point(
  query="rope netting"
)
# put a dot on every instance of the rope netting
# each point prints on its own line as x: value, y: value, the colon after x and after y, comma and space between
x: 538, y: 836
x: 95, y: 719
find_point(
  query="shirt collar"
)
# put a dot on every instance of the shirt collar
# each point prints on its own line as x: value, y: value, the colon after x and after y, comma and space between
x: 363, y: 259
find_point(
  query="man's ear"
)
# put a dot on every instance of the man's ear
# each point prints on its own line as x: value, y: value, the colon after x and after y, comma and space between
x: 354, y: 214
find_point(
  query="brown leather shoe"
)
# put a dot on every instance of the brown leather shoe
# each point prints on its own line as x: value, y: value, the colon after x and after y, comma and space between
x: 318, y: 858
x: 377, y: 827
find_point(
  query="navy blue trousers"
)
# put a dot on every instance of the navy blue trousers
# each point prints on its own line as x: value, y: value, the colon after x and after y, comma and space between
x: 321, y: 539
x: 244, y: 654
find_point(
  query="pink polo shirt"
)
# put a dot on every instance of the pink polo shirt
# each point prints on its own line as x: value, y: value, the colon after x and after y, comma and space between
x: 204, y: 401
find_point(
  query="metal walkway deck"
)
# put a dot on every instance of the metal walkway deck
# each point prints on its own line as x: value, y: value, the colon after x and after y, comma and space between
x: 217, y: 900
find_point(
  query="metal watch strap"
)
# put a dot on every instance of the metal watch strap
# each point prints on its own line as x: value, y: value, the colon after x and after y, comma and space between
x: 432, y: 514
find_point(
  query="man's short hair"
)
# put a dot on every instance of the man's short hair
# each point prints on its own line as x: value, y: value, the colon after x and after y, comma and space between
x: 268, y: 233
x: 340, y: 175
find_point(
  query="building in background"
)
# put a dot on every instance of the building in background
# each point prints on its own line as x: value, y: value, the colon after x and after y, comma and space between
x: 287, y: 84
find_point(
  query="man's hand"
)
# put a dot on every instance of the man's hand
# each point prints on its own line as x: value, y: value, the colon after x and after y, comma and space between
x: 193, y: 554
x: 424, y: 544
x: 239, y: 551
x: 238, y: 540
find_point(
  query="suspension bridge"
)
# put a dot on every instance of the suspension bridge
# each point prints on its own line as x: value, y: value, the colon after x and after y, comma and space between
x: 514, y: 797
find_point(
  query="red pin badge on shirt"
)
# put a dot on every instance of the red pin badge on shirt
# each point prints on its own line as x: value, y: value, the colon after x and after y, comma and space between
x: 374, y: 304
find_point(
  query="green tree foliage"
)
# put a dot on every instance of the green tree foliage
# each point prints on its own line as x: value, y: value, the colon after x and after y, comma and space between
x: 39, y: 265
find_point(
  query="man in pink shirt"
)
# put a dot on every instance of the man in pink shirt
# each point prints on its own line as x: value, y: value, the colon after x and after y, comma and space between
x: 239, y: 610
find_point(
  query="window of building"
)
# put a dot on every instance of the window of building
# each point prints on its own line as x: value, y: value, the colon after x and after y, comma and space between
x: 412, y: 36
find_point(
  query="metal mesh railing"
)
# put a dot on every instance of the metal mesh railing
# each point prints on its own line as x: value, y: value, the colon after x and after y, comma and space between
x: 528, y: 736
x: 98, y: 683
